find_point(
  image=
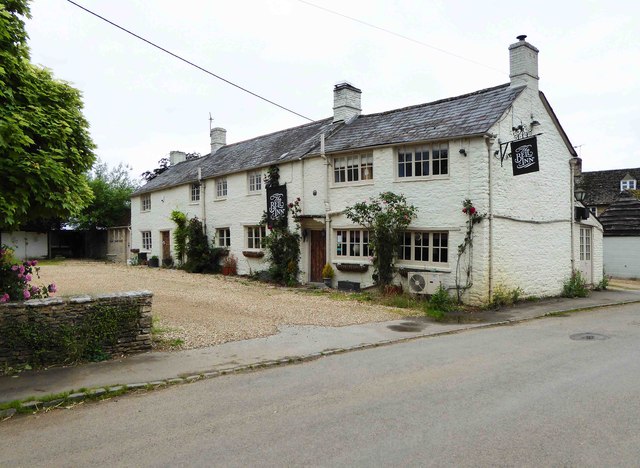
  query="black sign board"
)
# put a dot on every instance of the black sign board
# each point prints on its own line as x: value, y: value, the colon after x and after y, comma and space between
x: 277, y: 205
x: 524, y: 156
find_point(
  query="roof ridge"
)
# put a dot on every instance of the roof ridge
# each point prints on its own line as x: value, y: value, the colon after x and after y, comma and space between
x: 612, y: 170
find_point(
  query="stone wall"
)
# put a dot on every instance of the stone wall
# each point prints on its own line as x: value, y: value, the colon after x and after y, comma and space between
x: 128, y: 327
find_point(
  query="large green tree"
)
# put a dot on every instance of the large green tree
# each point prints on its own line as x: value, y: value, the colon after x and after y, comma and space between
x: 111, y: 204
x: 45, y: 147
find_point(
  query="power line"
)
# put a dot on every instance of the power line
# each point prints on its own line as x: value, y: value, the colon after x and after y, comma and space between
x: 402, y: 36
x: 188, y: 62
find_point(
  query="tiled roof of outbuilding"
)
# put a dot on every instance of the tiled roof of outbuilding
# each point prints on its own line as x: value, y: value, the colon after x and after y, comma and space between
x: 466, y: 115
x: 603, y: 187
x: 622, y: 217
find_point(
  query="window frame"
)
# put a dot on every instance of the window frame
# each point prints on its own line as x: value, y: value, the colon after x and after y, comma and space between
x: 145, y: 202
x: 422, y: 162
x: 629, y: 184
x: 352, y: 169
x: 147, y: 240
x: 254, y: 178
x: 417, y: 247
x: 220, y: 237
x: 195, y: 192
x: 356, y: 244
x: 252, y: 241
x: 221, y: 188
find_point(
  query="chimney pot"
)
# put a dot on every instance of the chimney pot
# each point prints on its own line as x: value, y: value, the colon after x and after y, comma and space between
x: 521, y: 37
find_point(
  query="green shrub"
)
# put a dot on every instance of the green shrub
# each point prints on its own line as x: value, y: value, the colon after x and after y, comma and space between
x: 603, y: 284
x: 504, y: 297
x: 440, y: 304
x: 575, y: 286
x: 201, y: 257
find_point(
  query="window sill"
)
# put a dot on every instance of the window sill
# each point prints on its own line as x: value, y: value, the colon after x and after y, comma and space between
x: 194, y: 203
x: 253, y: 194
x: 360, y: 183
x: 421, y: 178
x: 219, y: 199
x: 352, y: 267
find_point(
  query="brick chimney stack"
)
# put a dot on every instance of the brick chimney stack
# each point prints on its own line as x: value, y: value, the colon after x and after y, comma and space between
x: 523, y: 64
x: 218, y: 138
x: 176, y: 157
x: 346, y: 102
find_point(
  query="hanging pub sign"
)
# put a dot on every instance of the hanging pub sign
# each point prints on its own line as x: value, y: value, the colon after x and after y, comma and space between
x: 277, y: 205
x: 524, y: 156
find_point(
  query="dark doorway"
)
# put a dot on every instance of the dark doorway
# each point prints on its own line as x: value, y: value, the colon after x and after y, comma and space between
x: 318, y: 255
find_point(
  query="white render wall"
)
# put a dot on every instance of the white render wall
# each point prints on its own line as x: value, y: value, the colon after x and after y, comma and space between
x: 27, y: 245
x: 622, y: 257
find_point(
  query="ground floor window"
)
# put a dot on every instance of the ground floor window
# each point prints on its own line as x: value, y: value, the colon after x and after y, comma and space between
x: 146, y: 240
x: 352, y: 243
x: 255, y: 237
x: 224, y: 237
x: 424, y: 246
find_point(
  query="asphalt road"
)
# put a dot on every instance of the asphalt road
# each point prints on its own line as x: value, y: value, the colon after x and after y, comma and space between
x: 523, y: 395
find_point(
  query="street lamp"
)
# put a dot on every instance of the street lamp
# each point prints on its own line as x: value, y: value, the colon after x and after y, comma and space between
x: 580, y: 194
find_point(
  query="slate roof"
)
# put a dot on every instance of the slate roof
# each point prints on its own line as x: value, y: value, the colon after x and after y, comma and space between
x: 603, y: 187
x: 622, y: 217
x: 466, y: 115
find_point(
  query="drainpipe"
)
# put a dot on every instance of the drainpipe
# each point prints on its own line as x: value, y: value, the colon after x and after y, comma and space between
x: 327, y: 205
x: 572, y: 168
x: 203, y: 198
x: 489, y: 140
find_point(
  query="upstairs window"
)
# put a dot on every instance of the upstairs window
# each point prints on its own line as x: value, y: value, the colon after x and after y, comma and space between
x: 423, y: 161
x: 424, y: 246
x: 627, y: 185
x: 221, y: 187
x: 195, y: 192
x: 146, y: 202
x: 255, y: 181
x: 353, y: 168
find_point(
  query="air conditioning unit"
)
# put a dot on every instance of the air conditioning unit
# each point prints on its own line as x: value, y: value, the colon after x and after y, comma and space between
x: 423, y: 283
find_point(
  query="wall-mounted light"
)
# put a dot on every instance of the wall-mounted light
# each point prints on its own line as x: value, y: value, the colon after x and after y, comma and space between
x: 463, y: 151
x: 534, y: 123
x: 580, y: 194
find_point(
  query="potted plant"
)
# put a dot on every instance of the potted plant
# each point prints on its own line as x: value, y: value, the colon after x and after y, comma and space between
x: 230, y: 265
x: 327, y: 275
x: 154, y: 261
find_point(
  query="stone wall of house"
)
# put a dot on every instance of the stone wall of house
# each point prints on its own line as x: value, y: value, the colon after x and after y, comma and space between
x: 133, y: 337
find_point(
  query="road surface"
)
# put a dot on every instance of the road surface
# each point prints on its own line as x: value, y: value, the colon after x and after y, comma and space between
x: 522, y: 395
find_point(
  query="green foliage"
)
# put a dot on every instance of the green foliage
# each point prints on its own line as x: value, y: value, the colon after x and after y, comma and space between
x: 282, y: 245
x: 465, y: 249
x: 272, y: 177
x: 386, y: 217
x: 180, y: 234
x: 201, y: 256
x: 575, y: 286
x: 15, y: 278
x: 327, y: 271
x: 163, y: 165
x: 504, y: 297
x: 89, y: 339
x: 401, y: 301
x: 44, y: 140
x: 111, y: 204
x: 603, y: 284
x: 440, y: 304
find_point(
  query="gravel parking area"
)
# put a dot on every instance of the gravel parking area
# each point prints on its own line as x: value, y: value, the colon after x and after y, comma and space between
x: 204, y: 310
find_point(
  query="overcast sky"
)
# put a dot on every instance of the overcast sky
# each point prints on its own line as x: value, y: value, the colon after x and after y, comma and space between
x: 141, y: 103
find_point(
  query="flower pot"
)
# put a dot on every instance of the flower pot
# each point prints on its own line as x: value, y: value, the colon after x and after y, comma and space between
x: 327, y: 282
x: 154, y: 262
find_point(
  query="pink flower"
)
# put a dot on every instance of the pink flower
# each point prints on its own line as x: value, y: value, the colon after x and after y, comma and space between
x: 473, y: 210
x: 52, y: 288
x: 34, y: 262
x: 20, y: 275
x: 28, y: 278
x: 21, y: 268
x: 464, y: 210
x: 14, y: 268
x: 4, y: 298
x: 26, y: 294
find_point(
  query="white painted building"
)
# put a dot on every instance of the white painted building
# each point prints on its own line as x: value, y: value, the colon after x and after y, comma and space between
x: 437, y: 154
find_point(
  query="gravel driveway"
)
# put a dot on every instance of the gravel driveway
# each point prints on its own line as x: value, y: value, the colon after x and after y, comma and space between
x: 205, y: 310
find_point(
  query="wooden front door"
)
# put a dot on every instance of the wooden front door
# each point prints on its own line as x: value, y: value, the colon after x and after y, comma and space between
x: 166, y: 245
x: 318, y: 255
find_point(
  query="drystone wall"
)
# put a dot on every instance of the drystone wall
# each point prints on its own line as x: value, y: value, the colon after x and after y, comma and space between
x: 62, y: 330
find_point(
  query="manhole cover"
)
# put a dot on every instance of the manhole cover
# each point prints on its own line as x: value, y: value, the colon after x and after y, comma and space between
x: 407, y: 327
x: 588, y: 336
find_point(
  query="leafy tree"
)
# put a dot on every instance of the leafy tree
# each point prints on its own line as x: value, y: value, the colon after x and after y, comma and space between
x: 111, y: 205
x: 163, y: 165
x: 386, y: 217
x: 45, y: 147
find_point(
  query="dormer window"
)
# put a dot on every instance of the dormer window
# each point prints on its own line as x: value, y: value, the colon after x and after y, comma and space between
x: 627, y: 185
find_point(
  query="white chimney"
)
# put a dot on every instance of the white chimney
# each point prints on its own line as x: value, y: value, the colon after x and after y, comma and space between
x: 523, y: 64
x: 218, y: 138
x: 346, y: 102
x: 176, y: 157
